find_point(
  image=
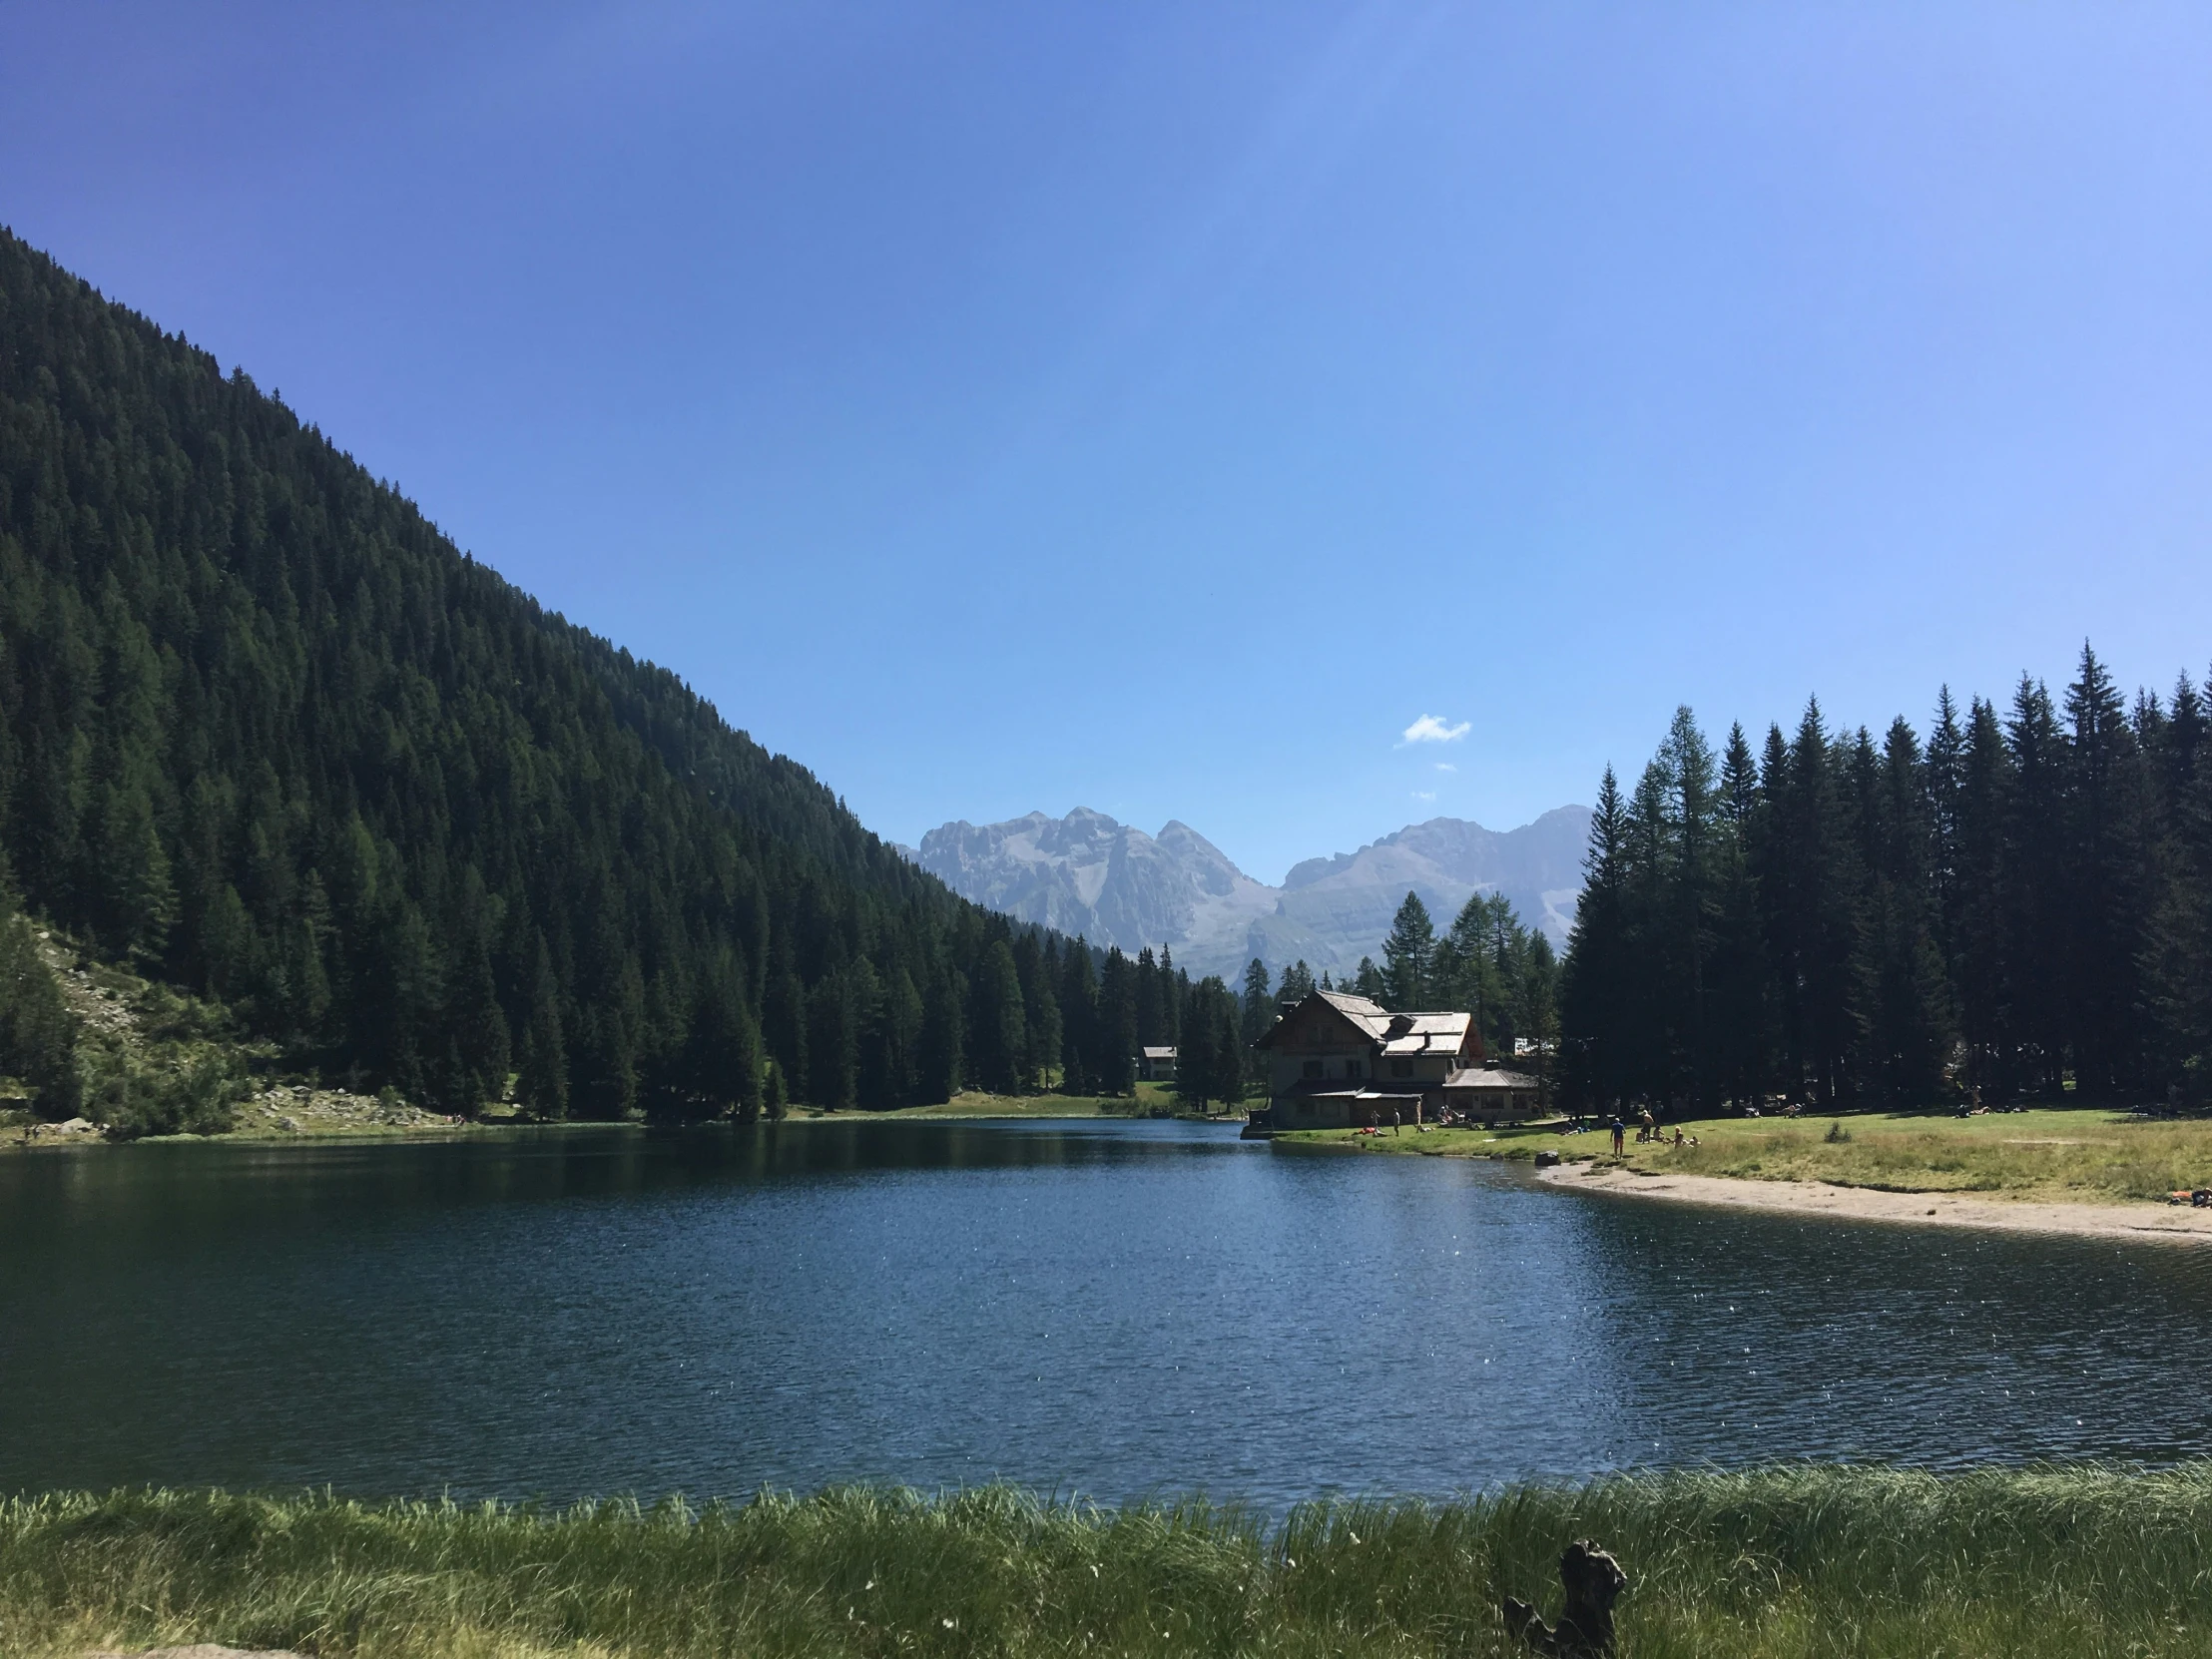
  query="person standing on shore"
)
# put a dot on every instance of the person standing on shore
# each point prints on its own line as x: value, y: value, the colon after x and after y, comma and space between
x: 1620, y: 1134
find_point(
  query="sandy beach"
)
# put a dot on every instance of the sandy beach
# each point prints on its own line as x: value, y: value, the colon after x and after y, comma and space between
x: 2173, y: 1224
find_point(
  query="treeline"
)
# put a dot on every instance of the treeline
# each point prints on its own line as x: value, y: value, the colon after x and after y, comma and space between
x: 2018, y: 907
x: 1489, y: 963
x: 265, y: 733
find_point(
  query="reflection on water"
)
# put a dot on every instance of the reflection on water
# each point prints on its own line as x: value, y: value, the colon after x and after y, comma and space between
x: 1110, y: 1307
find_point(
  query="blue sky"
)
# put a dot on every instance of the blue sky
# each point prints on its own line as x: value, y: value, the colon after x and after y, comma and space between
x: 1163, y: 408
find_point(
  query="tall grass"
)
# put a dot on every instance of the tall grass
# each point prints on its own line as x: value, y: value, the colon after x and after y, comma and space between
x: 1797, y: 1560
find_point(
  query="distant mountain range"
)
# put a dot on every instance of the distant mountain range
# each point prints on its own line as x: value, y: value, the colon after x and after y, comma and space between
x: 1115, y: 884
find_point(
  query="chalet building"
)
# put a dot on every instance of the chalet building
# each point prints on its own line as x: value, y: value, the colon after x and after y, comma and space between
x: 1492, y: 1094
x: 1343, y: 1062
x: 1154, y: 1065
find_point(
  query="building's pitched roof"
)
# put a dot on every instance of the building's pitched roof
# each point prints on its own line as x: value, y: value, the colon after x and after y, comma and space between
x: 1425, y: 1034
x: 1370, y: 1016
x: 1383, y: 1089
x: 1364, y: 1018
x: 1157, y: 1053
x: 1490, y: 1077
x: 1396, y: 1034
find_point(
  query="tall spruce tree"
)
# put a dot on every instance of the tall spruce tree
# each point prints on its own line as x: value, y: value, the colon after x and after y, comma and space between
x: 1595, y: 1058
x: 1117, y: 1024
x: 1258, y: 1012
x: 1409, y: 952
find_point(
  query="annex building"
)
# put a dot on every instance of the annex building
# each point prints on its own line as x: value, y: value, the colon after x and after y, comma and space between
x: 1337, y: 1061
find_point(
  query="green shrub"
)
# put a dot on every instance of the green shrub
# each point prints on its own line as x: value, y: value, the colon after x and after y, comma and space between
x: 133, y: 1097
x: 38, y: 1034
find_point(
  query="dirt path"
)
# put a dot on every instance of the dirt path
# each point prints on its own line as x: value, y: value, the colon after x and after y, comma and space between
x: 2169, y: 1224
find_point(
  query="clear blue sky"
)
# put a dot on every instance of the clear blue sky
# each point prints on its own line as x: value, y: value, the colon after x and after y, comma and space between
x: 1162, y: 407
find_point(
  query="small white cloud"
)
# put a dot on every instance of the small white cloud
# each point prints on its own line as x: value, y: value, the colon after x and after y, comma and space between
x: 1445, y: 766
x: 1424, y: 795
x: 1432, y: 728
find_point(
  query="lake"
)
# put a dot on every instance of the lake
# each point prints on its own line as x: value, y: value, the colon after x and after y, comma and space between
x: 1103, y: 1307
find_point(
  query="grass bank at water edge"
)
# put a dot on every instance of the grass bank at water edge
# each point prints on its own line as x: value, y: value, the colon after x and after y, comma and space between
x: 2080, y: 1563
x: 2081, y: 1154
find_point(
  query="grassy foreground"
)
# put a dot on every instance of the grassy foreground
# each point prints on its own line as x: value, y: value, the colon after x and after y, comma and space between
x: 1801, y: 1561
x: 2081, y: 1154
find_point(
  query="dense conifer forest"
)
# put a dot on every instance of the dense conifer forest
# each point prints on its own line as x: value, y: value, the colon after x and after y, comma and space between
x: 266, y: 735
x: 2017, y: 907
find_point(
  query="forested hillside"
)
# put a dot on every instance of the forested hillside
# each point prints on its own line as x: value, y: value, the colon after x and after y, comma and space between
x: 2020, y: 907
x: 266, y: 734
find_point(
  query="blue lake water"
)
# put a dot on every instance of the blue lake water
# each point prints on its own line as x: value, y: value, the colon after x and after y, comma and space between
x: 1105, y: 1308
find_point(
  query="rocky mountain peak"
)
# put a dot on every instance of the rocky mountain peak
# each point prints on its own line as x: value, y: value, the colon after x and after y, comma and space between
x: 1114, y: 884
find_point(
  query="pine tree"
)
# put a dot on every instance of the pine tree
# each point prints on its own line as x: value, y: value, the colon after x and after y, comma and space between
x: 1816, y: 932
x: 1078, y: 1021
x: 1596, y: 968
x: 1259, y: 1012
x: 2031, y: 901
x: 720, y: 1070
x: 38, y: 1034
x: 1117, y: 1025
x: 1909, y: 1024
x: 1688, y: 904
x: 1152, y: 1000
x: 783, y: 1023
x: 1174, y: 994
x: 998, y: 1023
x: 1409, y: 952
x: 541, y: 1079
x: 1210, y: 1067
x: 834, y: 1043
x: 1229, y: 1071
x: 941, y: 1060
x: 1740, y: 1011
x: 2110, y: 803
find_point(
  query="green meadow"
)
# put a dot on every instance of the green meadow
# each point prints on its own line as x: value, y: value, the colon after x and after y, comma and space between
x: 2083, y: 1153
x: 2081, y: 1562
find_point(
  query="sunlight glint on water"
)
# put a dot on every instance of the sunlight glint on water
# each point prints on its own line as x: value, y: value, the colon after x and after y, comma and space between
x: 1107, y: 1308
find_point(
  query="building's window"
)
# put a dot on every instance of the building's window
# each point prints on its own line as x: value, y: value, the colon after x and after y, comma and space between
x: 1312, y: 1068
x: 1402, y: 1068
x: 1351, y: 1068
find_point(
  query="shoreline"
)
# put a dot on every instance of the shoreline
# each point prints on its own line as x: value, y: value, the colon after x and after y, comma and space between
x: 987, y: 1109
x: 2161, y: 1223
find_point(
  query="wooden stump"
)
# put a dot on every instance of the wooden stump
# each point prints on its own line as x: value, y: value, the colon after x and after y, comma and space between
x: 1594, y: 1581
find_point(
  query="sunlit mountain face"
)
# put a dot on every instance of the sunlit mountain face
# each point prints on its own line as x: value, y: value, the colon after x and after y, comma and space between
x: 1087, y: 874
